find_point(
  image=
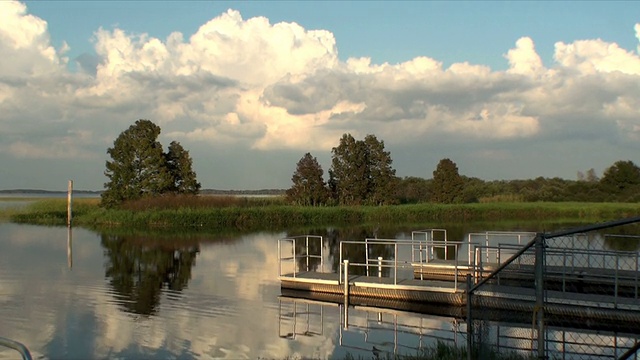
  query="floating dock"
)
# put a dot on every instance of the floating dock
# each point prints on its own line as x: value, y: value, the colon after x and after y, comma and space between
x: 500, y: 275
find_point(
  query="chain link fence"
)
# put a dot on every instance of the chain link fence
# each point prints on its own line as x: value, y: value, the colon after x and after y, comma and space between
x: 560, y: 296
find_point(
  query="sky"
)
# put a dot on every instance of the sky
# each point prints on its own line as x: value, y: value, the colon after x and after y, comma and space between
x: 506, y: 90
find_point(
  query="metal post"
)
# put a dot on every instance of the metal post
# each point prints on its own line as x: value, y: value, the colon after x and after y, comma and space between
x: 395, y: 264
x: 306, y: 244
x: 346, y: 313
x: 366, y: 254
x: 469, y: 249
x: 539, y: 308
x: 346, y: 279
x: 339, y: 266
x: 636, y: 287
x: 469, y: 318
x: 321, y: 254
x: 615, y: 296
x: 379, y: 266
x: 293, y: 251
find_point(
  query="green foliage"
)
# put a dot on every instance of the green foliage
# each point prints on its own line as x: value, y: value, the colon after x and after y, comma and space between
x: 622, y: 180
x: 140, y: 169
x: 180, y: 167
x: 308, y: 187
x: 382, y: 177
x: 412, y: 190
x: 361, y: 172
x: 447, y: 184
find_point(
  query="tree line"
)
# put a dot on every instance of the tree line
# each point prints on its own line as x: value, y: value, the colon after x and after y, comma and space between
x: 361, y: 173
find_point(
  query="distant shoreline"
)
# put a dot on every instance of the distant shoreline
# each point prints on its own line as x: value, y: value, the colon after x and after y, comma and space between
x: 98, y: 192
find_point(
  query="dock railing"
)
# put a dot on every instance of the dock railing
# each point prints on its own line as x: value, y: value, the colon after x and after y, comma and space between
x: 300, y: 254
x: 17, y: 346
x: 562, y: 282
x: 495, y: 238
x: 398, y: 256
x: 420, y: 250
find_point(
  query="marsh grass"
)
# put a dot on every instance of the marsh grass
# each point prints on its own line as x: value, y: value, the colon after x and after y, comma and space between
x: 270, y: 213
x: 200, y: 202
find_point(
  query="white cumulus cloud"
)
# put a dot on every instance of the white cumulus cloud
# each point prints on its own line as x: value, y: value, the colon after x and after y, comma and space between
x: 252, y: 85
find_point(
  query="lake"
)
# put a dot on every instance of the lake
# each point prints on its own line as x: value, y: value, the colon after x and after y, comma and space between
x: 129, y: 295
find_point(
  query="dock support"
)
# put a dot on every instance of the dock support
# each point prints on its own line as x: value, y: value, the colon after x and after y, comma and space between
x: 346, y: 278
x: 539, y: 307
x: 346, y: 294
x: 469, y: 319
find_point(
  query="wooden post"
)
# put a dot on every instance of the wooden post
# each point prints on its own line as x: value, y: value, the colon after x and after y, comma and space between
x: 69, y: 200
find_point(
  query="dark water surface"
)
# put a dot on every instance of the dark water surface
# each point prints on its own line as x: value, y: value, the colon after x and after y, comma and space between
x: 84, y: 295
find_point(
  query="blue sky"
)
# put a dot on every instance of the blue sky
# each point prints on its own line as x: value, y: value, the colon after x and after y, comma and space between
x: 507, y: 90
x: 387, y: 31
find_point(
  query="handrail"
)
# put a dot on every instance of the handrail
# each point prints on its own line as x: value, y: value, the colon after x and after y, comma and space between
x: 505, y: 264
x: 395, y: 263
x: 292, y: 240
x: 19, y: 347
x: 488, y: 235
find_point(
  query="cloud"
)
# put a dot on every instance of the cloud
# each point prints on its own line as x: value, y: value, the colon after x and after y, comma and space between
x: 251, y: 85
x: 524, y: 59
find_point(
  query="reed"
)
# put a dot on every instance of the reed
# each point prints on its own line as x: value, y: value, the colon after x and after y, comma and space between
x: 271, y: 215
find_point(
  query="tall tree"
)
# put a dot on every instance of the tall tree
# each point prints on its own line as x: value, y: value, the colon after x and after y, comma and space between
x: 309, y: 188
x: 138, y: 167
x: 349, y: 172
x: 447, y: 184
x: 180, y: 167
x: 361, y: 172
x: 382, y: 177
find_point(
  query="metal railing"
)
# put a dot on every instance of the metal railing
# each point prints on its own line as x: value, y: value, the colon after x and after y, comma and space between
x: 489, y: 238
x: 566, y: 283
x: 19, y: 347
x: 429, y: 235
x: 295, y: 255
x: 395, y: 261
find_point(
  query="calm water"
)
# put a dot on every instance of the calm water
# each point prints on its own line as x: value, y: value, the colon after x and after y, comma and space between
x: 88, y: 295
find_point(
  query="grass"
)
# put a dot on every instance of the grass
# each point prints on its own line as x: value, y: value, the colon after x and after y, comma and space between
x: 271, y: 213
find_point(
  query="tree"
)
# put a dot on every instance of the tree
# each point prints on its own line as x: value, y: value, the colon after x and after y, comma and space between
x: 412, y: 190
x: 139, y: 168
x: 361, y: 172
x: 180, y: 167
x: 447, y: 184
x: 382, y: 177
x: 308, y: 188
x: 620, y: 177
x: 349, y: 172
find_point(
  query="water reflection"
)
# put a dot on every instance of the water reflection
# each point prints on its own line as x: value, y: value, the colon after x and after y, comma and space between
x: 85, y: 295
x: 138, y: 272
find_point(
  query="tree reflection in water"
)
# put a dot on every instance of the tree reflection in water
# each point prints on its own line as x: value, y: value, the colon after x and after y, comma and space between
x: 139, y: 270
